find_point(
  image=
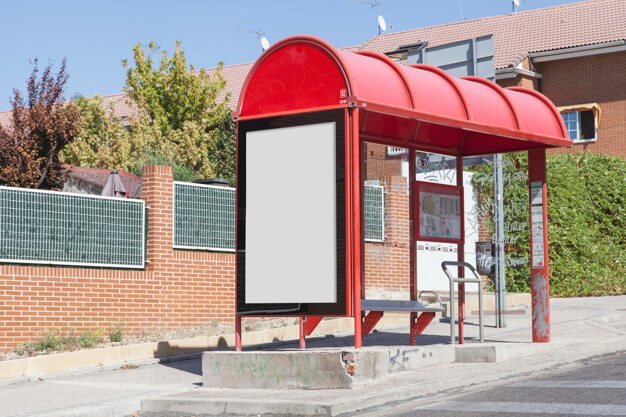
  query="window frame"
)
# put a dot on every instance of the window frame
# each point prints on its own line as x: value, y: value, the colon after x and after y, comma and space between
x: 577, y: 109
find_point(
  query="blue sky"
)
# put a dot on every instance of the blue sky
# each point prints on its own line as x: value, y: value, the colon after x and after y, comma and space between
x: 96, y: 35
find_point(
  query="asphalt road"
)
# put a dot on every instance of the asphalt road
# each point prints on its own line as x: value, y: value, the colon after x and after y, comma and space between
x: 593, y: 388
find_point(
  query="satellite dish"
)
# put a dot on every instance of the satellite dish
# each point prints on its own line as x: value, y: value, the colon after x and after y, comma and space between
x: 265, y: 44
x: 517, y: 3
x: 382, y: 25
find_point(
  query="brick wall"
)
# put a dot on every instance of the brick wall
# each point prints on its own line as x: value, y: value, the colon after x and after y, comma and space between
x: 379, y: 164
x: 598, y: 79
x: 177, y: 288
x: 387, y: 264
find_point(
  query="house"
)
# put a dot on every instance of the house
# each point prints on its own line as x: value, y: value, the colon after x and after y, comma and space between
x: 574, y: 54
x: 83, y: 180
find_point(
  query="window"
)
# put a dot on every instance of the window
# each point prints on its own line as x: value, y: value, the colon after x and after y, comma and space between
x: 396, y: 150
x: 581, y: 122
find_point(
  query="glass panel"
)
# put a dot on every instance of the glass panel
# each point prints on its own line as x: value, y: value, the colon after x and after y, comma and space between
x: 571, y: 124
x: 386, y: 221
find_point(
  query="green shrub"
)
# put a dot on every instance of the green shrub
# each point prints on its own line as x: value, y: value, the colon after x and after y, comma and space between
x: 586, y: 221
x: 89, y: 339
x: 56, y: 341
x: 115, y: 335
x: 587, y: 224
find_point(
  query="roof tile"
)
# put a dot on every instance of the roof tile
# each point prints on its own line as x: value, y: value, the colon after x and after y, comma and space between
x: 517, y: 34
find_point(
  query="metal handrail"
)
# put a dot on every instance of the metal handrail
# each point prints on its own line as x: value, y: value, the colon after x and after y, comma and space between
x: 438, y: 300
x: 453, y: 280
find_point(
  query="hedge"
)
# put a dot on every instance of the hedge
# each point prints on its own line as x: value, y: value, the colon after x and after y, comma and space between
x: 586, y: 223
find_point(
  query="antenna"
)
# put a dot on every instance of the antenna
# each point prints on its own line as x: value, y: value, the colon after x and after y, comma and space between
x: 372, y: 3
x: 382, y: 25
x: 260, y: 34
x: 458, y: 3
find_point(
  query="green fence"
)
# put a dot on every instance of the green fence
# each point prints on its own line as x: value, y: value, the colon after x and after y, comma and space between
x: 47, y: 227
x: 204, y: 216
x: 374, y: 218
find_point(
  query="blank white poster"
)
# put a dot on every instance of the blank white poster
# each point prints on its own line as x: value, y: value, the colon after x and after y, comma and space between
x: 291, y: 215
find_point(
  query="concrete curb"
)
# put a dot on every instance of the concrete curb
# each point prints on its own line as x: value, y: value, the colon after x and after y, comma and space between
x: 153, y: 352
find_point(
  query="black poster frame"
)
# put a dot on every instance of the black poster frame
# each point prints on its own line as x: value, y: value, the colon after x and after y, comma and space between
x: 339, y: 308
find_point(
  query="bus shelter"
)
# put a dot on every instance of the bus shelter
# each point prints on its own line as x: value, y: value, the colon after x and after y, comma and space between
x: 303, y: 115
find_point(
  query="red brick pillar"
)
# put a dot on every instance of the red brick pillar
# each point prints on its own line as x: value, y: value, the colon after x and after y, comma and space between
x: 157, y: 190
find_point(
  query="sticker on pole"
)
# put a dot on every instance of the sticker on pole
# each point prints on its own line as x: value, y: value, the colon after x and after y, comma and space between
x: 536, y: 193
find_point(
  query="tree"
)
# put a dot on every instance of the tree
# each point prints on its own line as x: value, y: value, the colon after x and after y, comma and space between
x: 182, y: 103
x: 173, y: 94
x: 102, y: 141
x: 222, y: 152
x: 181, y: 120
x: 39, y: 129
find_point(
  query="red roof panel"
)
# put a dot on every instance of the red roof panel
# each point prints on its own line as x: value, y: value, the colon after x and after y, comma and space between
x: 418, y: 104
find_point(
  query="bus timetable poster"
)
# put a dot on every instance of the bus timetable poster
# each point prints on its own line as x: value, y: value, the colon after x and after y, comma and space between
x: 439, y: 213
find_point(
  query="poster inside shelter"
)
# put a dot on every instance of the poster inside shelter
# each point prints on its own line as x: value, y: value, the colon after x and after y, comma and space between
x: 440, y: 213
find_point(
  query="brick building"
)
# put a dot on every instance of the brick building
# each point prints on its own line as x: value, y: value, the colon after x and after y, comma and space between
x: 575, y: 54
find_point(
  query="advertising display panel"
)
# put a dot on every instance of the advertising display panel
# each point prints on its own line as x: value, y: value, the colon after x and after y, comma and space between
x: 290, y: 231
x: 439, y: 213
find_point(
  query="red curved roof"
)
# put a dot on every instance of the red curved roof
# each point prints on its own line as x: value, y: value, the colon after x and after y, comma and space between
x: 417, y: 106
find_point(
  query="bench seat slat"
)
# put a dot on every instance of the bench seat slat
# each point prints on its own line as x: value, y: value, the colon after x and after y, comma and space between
x: 398, y: 305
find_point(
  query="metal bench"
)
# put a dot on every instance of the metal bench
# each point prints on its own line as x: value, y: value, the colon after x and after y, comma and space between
x: 419, y: 322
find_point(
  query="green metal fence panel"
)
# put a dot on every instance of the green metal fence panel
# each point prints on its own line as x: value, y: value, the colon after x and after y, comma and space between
x: 204, y: 217
x: 374, y: 218
x: 48, y: 227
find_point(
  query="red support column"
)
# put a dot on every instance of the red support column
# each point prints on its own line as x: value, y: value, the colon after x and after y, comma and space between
x: 237, y: 332
x: 460, y: 256
x: 539, y: 273
x: 302, y: 339
x: 412, y: 244
x: 353, y: 207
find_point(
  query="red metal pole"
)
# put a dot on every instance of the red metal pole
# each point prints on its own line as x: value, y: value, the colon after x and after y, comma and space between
x: 539, y: 273
x: 460, y: 256
x: 302, y: 339
x: 349, y: 282
x: 412, y: 245
x: 353, y: 207
x: 237, y: 317
x: 237, y: 332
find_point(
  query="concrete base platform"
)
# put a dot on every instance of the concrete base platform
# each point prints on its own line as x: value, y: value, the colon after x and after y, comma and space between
x: 336, y: 368
x: 330, y: 368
